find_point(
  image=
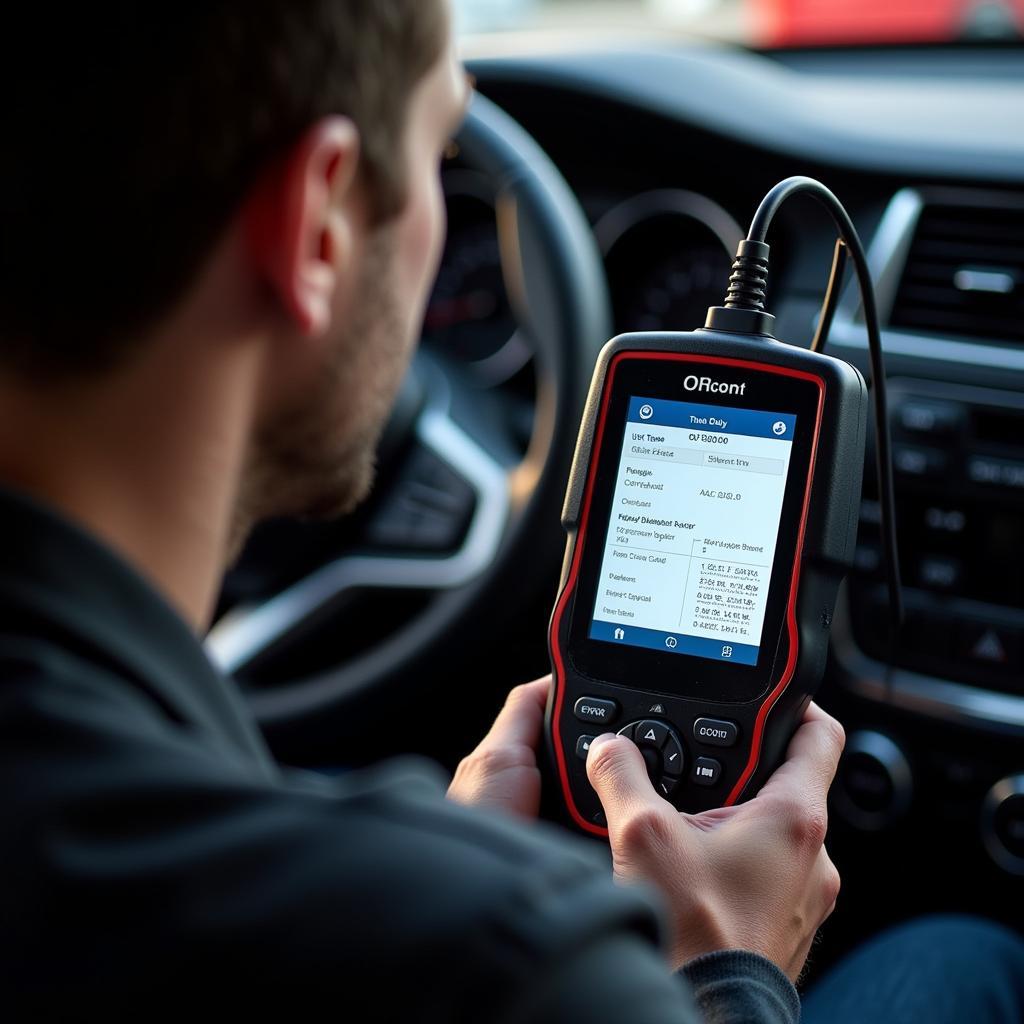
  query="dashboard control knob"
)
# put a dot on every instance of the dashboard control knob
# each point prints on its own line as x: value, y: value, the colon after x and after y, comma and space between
x: 1002, y: 823
x: 874, y: 785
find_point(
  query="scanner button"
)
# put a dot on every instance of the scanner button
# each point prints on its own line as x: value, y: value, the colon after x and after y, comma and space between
x: 650, y: 734
x: 715, y: 732
x: 593, y: 709
x: 666, y: 784
x: 653, y: 761
x: 583, y: 747
x: 706, y: 771
x: 672, y: 757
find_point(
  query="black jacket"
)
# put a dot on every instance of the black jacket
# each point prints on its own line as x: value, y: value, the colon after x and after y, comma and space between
x: 154, y: 859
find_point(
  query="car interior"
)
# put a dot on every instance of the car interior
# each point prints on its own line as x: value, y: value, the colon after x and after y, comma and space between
x: 601, y: 187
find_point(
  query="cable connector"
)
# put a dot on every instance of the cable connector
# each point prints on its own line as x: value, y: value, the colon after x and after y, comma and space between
x: 743, y: 312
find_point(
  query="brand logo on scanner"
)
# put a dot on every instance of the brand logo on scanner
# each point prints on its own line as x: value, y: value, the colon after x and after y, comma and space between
x: 695, y: 383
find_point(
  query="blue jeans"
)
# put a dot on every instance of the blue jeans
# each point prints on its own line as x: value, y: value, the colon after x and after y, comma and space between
x: 936, y: 970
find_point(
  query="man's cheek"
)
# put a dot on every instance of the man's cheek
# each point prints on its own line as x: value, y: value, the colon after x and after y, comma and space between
x: 424, y: 245
x: 439, y: 229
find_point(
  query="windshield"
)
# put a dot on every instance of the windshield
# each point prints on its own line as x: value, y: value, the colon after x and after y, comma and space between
x: 762, y: 23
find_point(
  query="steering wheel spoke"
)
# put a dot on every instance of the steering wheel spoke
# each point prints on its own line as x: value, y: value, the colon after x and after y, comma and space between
x: 439, y: 526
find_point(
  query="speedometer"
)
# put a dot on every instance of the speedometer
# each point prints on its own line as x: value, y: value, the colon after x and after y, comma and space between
x: 666, y: 253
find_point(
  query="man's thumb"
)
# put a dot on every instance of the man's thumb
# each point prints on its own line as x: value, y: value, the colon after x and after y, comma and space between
x: 618, y: 774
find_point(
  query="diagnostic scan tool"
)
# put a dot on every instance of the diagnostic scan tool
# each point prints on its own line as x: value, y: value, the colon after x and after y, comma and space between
x: 711, y: 515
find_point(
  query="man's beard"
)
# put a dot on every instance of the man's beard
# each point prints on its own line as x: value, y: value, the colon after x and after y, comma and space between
x: 317, y: 459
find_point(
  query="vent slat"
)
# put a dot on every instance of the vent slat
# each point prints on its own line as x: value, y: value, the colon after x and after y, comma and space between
x: 944, y: 229
x: 983, y: 250
x: 962, y: 324
x: 945, y: 293
x: 988, y: 241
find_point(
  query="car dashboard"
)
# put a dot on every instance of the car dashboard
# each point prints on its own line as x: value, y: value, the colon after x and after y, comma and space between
x: 382, y: 635
x: 669, y: 152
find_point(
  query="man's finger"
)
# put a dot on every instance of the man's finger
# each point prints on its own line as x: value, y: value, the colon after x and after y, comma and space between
x: 520, y: 720
x: 812, y: 758
x: 617, y: 772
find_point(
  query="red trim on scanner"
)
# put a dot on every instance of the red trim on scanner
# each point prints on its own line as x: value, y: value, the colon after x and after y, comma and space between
x: 570, y: 583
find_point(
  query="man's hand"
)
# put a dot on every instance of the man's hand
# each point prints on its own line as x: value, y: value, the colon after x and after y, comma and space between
x: 755, y: 876
x: 502, y: 772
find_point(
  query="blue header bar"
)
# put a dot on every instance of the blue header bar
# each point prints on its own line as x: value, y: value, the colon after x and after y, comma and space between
x: 659, y: 412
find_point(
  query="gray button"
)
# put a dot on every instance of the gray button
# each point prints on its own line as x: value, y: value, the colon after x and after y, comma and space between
x: 706, y: 771
x: 923, y: 416
x: 983, y: 469
x: 666, y: 785
x: 650, y: 733
x: 583, y: 747
x: 911, y: 460
x: 594, y: 709
x: 715, y: 732
x: 673, y: 756
x: 939, y: 572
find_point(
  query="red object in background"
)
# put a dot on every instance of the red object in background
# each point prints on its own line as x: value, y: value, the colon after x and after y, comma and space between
x: 831, y: 22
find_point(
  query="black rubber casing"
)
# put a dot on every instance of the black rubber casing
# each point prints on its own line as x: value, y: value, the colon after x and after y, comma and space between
x: 823, y: 553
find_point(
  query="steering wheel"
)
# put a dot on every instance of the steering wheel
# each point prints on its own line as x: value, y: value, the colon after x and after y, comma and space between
x: 458, y: 511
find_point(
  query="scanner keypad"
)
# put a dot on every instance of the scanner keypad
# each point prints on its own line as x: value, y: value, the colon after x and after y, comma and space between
x: 663, y: 751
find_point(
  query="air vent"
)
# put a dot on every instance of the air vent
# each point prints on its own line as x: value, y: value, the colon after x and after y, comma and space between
x: 964, y: 274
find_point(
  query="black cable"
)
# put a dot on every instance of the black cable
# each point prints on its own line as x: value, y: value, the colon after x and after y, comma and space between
x: 744, y: 310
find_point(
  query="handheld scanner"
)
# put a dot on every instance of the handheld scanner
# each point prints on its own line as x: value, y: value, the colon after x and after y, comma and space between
x: 711, y: 515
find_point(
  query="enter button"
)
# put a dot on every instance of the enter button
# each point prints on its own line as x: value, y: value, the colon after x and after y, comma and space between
x: 715, y: 732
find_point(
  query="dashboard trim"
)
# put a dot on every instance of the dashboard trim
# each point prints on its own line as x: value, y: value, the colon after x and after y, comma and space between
x: 936, y: 349
x: 927, y: 695
x: 932, y: 126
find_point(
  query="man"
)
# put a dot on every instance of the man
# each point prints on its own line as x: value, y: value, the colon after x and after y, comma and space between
x: 220, y: 225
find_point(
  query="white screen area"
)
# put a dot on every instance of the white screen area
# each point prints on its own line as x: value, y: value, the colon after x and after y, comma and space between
x: 694, y: 525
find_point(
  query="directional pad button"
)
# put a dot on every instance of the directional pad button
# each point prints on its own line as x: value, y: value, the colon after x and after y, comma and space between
x: 672, y: 757
x: 650, y: 733
x: 664, y: 755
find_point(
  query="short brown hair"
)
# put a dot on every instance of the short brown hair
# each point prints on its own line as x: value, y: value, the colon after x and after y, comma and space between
x: 132, y: 131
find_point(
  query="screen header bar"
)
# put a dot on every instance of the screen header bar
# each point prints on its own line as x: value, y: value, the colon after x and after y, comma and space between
x: 660, y: 412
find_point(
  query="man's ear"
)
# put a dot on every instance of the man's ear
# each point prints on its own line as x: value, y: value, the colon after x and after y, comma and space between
x: 299, y: 228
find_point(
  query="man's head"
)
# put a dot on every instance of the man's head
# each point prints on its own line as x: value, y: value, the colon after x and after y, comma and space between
x: 299, y: 137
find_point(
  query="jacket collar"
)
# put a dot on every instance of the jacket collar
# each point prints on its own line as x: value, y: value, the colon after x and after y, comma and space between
x: 59, y: 581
